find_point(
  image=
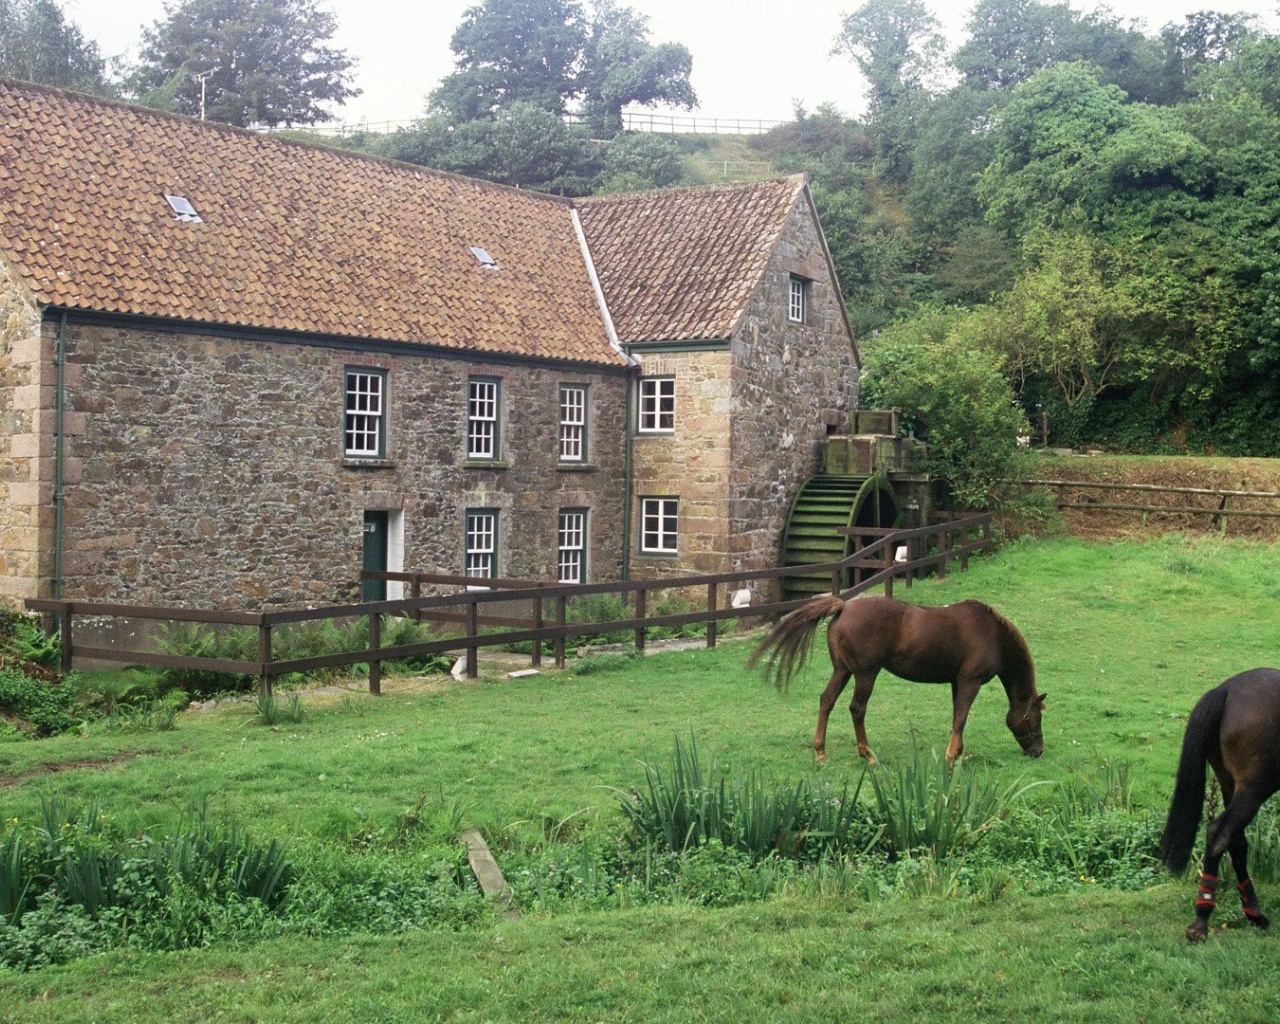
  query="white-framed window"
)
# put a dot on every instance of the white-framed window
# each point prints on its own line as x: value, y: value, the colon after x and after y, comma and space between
x: 482, y: 543
x: 657, y: 404
x: 573, y: 422
x: 571, y: 546
x: 797, y: 299
x: 482, y: 417
x: 658, y: 519
x: 365, y: 422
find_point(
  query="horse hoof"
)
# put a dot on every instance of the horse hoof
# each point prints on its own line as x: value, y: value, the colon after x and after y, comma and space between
x: 1197, y: 931
x: 1259, y: 921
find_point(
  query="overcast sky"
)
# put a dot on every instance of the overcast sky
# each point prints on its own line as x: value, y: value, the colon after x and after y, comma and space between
x: 751, y: 60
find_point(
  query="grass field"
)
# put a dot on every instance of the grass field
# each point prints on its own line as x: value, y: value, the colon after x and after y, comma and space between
x: 1126, y: 638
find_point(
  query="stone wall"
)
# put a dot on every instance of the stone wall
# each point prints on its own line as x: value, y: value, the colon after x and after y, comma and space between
x: 793, y: 385
x: 751, y: 419
x: 209, y: 471
x: 692, y: 464
x: 26, y: 445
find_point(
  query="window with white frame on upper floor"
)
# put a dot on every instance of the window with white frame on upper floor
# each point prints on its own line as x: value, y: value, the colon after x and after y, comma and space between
x: 481, y: 543
x: 573, y: 422
x: 482, y: 417
x: 571, y: 546
x: 657, y: 404
x: 797, y: 299
x: 658, y: 521
x: 365, y: 420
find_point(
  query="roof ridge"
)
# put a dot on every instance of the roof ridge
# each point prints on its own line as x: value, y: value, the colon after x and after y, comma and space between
x: 796, y: 181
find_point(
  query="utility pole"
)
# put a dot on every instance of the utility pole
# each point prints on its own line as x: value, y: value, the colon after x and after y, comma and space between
x: 202, y: 77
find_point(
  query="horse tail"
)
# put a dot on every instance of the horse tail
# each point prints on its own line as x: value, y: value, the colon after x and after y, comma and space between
x: 1188, y: 791
x: 788, y: 643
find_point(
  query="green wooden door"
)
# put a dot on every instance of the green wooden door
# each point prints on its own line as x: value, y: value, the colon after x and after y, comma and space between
x: 375, y: 555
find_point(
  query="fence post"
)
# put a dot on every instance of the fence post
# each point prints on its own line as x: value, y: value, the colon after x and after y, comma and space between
x: 64, y: 628
x: 711, y: 607
x: 375, y: 662
x: 944, y: 549
x: 535, y: 659
x: 473, y: 627
x: 415, y: 591
x: 640, y: 613
x: 888, y: 564
x: 264, y: 656
x: 561, y: 602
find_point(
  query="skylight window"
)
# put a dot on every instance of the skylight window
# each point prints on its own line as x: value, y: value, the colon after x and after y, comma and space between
x: 483, y: 256
x: 183, y: 210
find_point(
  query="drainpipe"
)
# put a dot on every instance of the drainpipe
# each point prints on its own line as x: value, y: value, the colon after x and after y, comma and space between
x: 627, y: 473
x: 60, y: 361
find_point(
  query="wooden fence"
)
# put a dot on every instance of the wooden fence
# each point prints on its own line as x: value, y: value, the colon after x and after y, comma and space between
x: 543, y: 609
x: 1226, y: 502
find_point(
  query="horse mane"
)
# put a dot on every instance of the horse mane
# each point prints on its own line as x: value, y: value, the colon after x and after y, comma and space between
x: 1016, y: 646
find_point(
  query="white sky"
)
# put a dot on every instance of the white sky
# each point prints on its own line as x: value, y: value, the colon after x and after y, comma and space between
x: 751, y: 60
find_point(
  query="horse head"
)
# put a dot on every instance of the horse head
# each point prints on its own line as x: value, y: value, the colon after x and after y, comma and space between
x: 1024, y: 723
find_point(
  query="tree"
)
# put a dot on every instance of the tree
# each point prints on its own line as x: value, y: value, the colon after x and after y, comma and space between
x: 896, y: 45
x: 244, y: 62
x: 523, y: 146
x: 620, y: 67
x: 954, y: 395
x: 512, y: 51
x: 1010, y: 40
x: 547, y: 53
x: 1203, y: 40
x: 38, y: 44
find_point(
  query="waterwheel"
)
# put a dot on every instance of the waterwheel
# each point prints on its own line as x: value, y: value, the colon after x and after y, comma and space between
x: 822, y: 507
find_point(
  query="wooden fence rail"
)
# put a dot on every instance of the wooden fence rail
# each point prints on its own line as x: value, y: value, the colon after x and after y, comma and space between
x: 890, y: 555
x: 1219, y: 512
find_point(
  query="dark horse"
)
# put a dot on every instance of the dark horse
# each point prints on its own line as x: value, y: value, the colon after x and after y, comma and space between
x: 962, y: 644
x: 1236, y: 730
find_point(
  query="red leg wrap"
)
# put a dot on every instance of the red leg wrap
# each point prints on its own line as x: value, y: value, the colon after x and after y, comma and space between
x: 1249, y: 899
x: 1207, y: 894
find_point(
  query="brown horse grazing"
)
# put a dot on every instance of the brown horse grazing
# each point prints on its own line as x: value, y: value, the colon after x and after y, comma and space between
x: 1236, y: 730
x: 962, y: 644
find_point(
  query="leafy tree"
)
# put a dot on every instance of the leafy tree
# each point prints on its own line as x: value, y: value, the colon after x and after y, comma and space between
x: 620, y: 67
x: 896, y: 45
x: 244, y: 62
x: 548, y: 53
x: 512, y: 51
x: 38, y: 44
x: 1203, y: 40
x: 1047, y: 146
x: 640, y: 160
x: 954, y: 396
x: 1010, y: 40
x: 523, y: 146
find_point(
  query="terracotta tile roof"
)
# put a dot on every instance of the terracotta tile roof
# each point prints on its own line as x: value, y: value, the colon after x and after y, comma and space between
x: 681, y: 264
x: 294, y: 237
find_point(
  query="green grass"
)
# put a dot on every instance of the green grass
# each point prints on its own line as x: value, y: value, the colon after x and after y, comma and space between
x: 1126, y: 638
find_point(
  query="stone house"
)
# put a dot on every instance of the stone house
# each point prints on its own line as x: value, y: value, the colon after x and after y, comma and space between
x: 234, y: 369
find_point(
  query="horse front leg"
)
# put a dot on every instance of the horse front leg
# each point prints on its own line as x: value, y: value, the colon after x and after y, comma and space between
x: 862, y: 687
x: 825, y: 703
x: 963, y: 694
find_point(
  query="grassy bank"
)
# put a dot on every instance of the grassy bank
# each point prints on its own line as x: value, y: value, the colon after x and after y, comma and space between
x: 1125, y: 636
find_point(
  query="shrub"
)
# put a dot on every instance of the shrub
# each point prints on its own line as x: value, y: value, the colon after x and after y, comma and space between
x: 48, y: 708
